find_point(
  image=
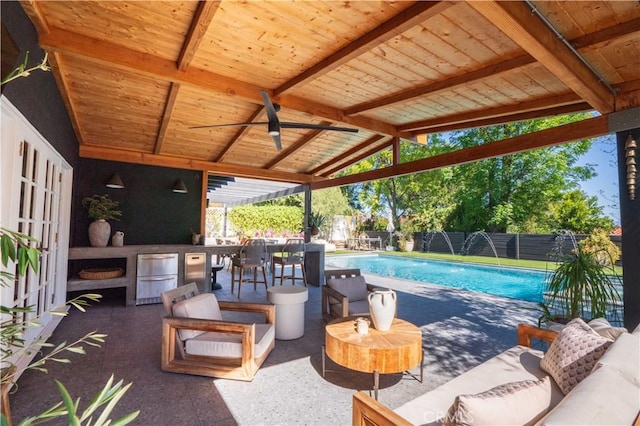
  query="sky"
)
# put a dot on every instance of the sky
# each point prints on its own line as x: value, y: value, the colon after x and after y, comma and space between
x: 602, y: 156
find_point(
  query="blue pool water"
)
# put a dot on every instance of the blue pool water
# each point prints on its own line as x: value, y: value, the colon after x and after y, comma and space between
x: 523, y: 284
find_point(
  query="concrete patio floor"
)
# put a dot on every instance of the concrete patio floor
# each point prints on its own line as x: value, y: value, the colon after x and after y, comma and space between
x: 460, y: 330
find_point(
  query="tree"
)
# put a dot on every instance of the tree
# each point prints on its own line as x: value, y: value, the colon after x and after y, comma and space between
x: 504, y: 194
x: 579, y: 213
x: 418, y: 198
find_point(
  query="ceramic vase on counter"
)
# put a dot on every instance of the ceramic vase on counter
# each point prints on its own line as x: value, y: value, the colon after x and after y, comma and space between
x: 99, y: 233
x: 382, y: 307
x: 118, y: 239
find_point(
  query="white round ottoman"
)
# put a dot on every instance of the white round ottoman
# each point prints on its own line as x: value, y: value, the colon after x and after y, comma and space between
x: 289, y: 303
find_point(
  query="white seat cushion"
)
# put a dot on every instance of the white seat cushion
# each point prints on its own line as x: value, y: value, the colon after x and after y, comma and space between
x: 202, y: 306
x: 229, y: 345
x: 355, y: 288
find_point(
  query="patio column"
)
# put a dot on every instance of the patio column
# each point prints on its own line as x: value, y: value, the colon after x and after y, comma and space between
x: 630, y: 221
x: 307, y: 212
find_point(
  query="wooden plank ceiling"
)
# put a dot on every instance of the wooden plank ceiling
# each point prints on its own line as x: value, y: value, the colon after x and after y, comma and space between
x: 136, y: 76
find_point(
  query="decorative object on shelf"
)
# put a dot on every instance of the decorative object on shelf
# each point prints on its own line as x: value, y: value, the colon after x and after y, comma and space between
x: 195, y: 238
x: 100, y: 273
x: 180, y: 187
x: 382, y: 307
x: 630, y: 147
x: 362, y: 325
x: 101, y: 208
x: 115, y: 182
x: 117, y: 240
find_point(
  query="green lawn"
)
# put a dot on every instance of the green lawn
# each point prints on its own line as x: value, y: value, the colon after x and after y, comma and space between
x: 517, y: 263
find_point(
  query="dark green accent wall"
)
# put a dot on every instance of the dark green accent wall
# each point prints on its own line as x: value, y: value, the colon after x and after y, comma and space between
x: 151, y: 212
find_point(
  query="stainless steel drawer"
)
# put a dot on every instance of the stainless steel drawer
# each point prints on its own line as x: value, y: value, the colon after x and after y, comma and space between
x: 149, y: 289
x: 157, y: 264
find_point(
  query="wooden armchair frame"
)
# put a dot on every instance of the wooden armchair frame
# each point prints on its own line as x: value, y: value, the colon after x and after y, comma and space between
x: 369, y: 412
x: 243, y: 368
x: 331, y: 296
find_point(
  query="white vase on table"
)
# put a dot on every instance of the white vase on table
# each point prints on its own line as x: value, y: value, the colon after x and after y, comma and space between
x: 382, y: 307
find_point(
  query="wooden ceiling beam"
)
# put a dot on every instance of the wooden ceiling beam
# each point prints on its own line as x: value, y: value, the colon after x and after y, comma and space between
x: 589, y: 128
x: 617, y: 34
x: 403, y: 21
x: 609, y: 36
x: 515, y: 19
x: 332, y: 162
x: 259, y: 112
x: 520, y: 116
x: 136, y: 157
x: 304, y: 140
x: 418, y: 127
x: 166, y: 117
x: 105, y: 53
x: 433, y: 88
x: 360, y: 157
x: 201, y: 20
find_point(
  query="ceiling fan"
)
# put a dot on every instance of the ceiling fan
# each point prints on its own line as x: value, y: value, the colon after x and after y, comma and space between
x: 274, y: 124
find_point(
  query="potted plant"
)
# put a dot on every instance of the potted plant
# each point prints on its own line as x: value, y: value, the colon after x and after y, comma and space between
x: 316, y: 221
x: 101, y: 208
x: 581, y: 286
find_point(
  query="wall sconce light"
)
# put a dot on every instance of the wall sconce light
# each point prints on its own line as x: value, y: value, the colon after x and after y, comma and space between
x: 630, y: 147
x: 180, y: 187
x: 115, y: 182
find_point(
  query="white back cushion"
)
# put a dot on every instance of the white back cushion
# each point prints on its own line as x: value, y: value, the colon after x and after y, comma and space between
x: 203, y: 306
x: 355, y: 288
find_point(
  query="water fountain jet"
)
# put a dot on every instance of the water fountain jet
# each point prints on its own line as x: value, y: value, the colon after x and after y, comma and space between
x: 468, y: 243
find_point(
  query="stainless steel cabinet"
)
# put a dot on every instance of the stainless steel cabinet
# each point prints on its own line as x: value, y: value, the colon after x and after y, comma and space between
x: 156, y: 273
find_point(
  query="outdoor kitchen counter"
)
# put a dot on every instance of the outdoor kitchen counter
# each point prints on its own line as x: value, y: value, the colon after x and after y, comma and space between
x: 314, y: 263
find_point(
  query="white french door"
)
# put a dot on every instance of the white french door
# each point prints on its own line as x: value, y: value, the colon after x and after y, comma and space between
x: 36, y: 199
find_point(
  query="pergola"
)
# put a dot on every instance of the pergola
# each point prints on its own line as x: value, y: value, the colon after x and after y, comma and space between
x: 137, y: 77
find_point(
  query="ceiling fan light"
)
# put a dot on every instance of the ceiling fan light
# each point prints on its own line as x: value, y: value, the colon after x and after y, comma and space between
x: 273, y: 133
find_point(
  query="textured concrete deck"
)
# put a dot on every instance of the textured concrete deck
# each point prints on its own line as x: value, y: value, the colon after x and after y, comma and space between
x: 460, y: 330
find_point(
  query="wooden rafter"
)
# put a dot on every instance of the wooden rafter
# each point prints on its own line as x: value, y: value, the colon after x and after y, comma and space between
x: 487, y: 113
x: 103, y: 52
x: 137, y: 157
x: 592, y: 127
x: 518, y: 23
x: 510, y: 118
x: 259, y: 112
x: 612, y: 35
x: 304, y: 140
x: 166, y: 117
x: 358, y: 158
x: 202, y: 19
x: 408, y: 18
x: 341, y: 157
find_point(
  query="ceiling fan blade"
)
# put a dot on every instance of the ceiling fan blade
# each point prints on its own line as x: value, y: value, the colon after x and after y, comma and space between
x: 288, y: 125
x: 274, y: 123
x: 277, y: 141
x: 250, y: 123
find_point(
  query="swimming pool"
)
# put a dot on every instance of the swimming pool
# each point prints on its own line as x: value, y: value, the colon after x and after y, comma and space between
x: 523, y: 284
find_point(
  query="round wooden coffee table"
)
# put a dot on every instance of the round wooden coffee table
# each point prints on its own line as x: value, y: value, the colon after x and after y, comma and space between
x: 379, y: 352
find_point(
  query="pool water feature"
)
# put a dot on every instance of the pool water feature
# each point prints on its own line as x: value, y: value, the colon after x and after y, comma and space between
x: 515, y: 283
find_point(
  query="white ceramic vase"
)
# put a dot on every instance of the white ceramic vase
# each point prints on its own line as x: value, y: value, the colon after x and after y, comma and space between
x: 382, y: 307
x: 99, y: 233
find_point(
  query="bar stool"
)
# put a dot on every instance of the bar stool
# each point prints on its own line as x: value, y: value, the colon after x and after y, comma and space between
x: 292, y: 255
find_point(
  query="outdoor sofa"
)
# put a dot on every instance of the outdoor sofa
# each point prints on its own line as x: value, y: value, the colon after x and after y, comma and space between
x: 594, y: 380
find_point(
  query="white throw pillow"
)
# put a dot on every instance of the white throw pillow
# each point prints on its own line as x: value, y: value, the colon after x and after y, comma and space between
x: 355, y: 288
x: 605, y: 329
x: 573, y: 354
x: 515, y: 403
x: 202, y: 306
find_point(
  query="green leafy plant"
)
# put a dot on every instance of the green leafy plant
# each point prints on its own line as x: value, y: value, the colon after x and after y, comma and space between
x: 580, y: 287
x: 600, y: 245
x: 22, y: 70
x: 316, y: 222
x: 19, y: 248
x: 101, y: 207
